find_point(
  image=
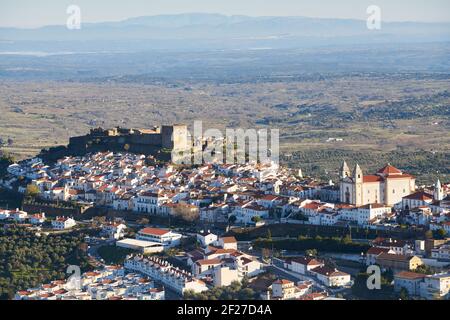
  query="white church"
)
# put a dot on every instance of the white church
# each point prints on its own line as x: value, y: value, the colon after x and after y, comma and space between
x: 388, y: 186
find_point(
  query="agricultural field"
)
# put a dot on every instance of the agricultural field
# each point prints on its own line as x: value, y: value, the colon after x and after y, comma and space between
x: 350, y: 116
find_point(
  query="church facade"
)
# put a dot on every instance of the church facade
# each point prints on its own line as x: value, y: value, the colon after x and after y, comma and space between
x: 388, y: 186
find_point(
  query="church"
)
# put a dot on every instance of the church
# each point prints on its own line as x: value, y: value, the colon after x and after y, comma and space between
x: 388, y: 186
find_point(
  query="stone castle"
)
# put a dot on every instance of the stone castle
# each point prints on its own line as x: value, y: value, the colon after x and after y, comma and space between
x: 161, y: 142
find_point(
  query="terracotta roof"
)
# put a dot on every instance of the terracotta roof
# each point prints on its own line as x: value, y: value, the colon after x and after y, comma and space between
x: 388, y: 169
x: 394, y: 257
x: 423, y: 196
x: 205, y: 262
x: 154, y: 231
x: 283, y: 281
x: 377, y: 251
x: 328, y: 271
x: 409, y: 275
x: 306, y: 261
x: 228, y: 239
x: 372, y: 178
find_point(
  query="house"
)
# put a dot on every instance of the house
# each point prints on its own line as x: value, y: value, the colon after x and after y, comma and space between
x: 303, y: 264
x: 4, y: 214
x: 37, y: 218
x: 160, y: 270
x: 225, y: 276
x: 149, y: 202
x: 416, y: 199
x: 205, y: 266
x: 435, y: 286
x: 374, y: 252
x: 331, y: 277
x: 61, y: 223
x: 18, y: 215
x: 410, y: 281
x: 283, y: 289
x: 420, y: 216
x: 247, y: 265
x: 166, y: 237
x: 228, y: 243
x: 398, y: 246
x: 398, y: 262
x: 114, y: 230
x: 206, y: 238
x: 247, y: 212
x: 369, y: 213
x: 442, y: 253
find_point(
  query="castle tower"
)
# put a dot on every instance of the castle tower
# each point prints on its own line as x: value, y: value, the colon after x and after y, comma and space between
x: 174, y: 137
x: 438, y: 193
x: 345, y: 171
x: 357, y: 175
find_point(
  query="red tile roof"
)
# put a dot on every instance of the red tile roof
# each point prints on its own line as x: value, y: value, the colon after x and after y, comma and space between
x: 228, y: 239
x: 409, y: 275
x: 388, y: 169
x: 423, y: 196
x: 154, y: 231
x: 372, y: 178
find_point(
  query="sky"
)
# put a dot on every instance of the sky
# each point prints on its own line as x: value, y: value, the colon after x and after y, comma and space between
x: 32, y: 13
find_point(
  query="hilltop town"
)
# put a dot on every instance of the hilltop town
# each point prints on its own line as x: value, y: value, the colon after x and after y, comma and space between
x: 237, y: 231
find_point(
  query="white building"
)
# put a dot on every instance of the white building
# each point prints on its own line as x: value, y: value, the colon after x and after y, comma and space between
x: 303, y: 264
x: 37, y: 218
x: 18, y: 215
x: 61, y: 223
x: 283, y: 289
x: 160, y: 270
x: 228, y: 243
x: 435, y: 286
x: 114, y: 230
x: 206, y: 238
x: 166, y: 237
x: 442, y: 253
x: 225, y: 276
x: 410, y: 281
x: 331, y: 277
x: 149, y: 202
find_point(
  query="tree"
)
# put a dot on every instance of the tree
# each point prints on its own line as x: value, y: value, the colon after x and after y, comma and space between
x: 347, y: 239
x: 311, y: 252
x: 442, y: 233
x: 32, y: 191
x: 256, y: 219
x: 403, y: 295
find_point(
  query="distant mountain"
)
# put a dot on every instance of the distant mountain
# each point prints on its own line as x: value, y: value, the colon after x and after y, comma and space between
x: 216, y: 30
